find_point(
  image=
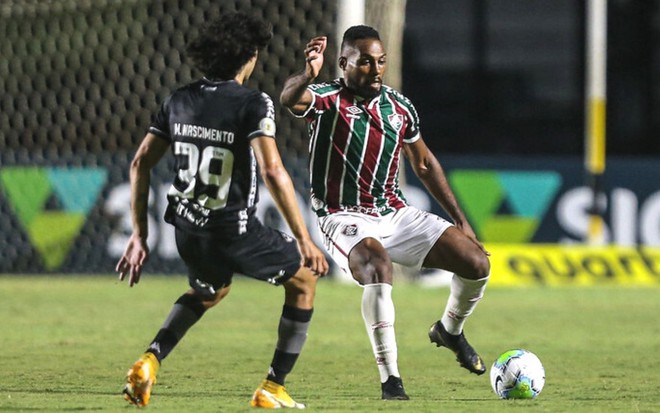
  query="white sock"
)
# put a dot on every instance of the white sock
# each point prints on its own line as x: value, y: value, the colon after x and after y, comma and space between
x: 378, y: 315
x: 463, y: 298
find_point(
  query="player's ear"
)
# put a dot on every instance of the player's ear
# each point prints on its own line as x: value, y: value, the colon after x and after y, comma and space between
x: 342, y: 62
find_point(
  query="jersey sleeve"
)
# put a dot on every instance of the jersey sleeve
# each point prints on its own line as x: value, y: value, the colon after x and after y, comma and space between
x: 260, y: 116
x: 320, y: 101
x: 160, y: 124
x: 412, y: 120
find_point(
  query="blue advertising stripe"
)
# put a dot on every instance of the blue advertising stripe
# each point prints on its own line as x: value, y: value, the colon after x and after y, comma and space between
x: 77, y: 188
x: 530, y: 193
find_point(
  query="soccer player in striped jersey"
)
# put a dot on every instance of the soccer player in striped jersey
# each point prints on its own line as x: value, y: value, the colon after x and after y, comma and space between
x: 359, y: 128
x: 222, y: 135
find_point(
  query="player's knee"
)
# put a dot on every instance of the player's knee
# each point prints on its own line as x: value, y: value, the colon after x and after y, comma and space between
x: 300, y: 290
x: 370, y: 265
x: 480, y: 265
x: 302, y: 283
x: 213, y: 300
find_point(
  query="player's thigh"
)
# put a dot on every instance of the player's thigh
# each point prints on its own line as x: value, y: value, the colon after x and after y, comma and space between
x: 266, y: 254
x: 341, y: 233
x: 209, y: 267
x: 455, y: 252
x: 370, y: 263
x: 413, y: 236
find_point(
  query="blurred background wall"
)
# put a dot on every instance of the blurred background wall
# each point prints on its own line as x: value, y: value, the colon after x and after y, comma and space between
x: 508, y: 76
x: 499, y: 84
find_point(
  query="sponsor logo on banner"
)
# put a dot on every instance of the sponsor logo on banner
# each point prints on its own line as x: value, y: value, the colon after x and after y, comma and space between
x: 505, y: 206
x: 555, y: 265
x: 52, y: 205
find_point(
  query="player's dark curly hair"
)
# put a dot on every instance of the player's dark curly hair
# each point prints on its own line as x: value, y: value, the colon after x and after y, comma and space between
x: 357, y: 33
x: 227, y: 43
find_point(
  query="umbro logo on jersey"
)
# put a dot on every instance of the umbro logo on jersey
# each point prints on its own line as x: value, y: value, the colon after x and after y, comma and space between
x: 353, y: 112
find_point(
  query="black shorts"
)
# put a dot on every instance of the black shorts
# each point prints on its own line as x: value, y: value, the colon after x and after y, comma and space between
x: 262, y: 253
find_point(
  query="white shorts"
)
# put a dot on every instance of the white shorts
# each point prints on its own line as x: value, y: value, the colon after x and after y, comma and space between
x: 407, y: 235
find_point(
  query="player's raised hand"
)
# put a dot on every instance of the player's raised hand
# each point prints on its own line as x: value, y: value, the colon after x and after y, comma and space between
x: 314, y: 56
x: 313, y: 258
x: 133, y: 259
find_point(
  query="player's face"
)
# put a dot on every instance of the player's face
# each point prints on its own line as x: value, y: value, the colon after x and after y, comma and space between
x: 364, y: 64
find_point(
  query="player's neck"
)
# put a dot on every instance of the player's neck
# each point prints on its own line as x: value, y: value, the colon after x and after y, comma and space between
x: 246, y: 71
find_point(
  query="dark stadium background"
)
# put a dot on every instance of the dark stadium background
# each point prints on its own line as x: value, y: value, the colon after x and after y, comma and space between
x: 80, y: 79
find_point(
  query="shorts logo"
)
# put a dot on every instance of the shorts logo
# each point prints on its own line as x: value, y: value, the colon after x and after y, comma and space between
x: 276, y: 279
x: 350, y: 230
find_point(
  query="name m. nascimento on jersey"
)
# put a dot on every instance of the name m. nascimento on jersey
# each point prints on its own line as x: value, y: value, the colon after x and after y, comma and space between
x: 201, y: 132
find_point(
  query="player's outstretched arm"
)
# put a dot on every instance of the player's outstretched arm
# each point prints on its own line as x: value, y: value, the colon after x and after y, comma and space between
x: 136, y: 254
x: 279, y: 184
x: 295, y: 95
x: 427, y: 167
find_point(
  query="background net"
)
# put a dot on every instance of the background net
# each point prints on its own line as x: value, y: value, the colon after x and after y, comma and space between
x: 79, y: 83
x: 84, y: 77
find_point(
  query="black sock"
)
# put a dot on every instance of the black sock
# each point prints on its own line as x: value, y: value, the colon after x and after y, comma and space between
x: 292, y: 333
x: 187, y: 310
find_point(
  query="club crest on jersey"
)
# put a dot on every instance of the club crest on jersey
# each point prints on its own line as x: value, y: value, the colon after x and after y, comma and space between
x: 353, y: 112
x: 396, y: 120
x: 350, y: 230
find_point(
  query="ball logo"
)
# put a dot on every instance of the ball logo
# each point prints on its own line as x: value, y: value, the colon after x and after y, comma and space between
x: 52, y: 205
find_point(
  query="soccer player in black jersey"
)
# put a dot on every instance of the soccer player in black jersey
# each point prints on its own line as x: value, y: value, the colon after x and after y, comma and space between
x: 222, y: 136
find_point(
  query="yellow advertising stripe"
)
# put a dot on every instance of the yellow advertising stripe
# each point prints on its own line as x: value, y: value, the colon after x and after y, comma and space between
x: 557, y: 264
x: 596, y: 136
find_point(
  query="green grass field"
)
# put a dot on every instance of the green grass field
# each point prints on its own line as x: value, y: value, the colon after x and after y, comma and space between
x: 67, y: 342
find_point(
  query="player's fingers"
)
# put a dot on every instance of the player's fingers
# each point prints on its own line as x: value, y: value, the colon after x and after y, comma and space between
x: 317, y: 41
x: 481, y: 246
x: 310, y: 263
x: 318, y: 266
x: 121, y: 264
x: 321, y: 266
x: 138, y: 273
x: 322, y: 44
x: 134, y: 277
x: 122, y: 270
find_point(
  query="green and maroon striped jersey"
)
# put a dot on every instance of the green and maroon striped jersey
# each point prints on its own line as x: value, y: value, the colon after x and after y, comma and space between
x: 355, y: 145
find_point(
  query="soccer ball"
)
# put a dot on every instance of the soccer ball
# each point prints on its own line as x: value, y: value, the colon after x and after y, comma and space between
x: 517, y: 374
